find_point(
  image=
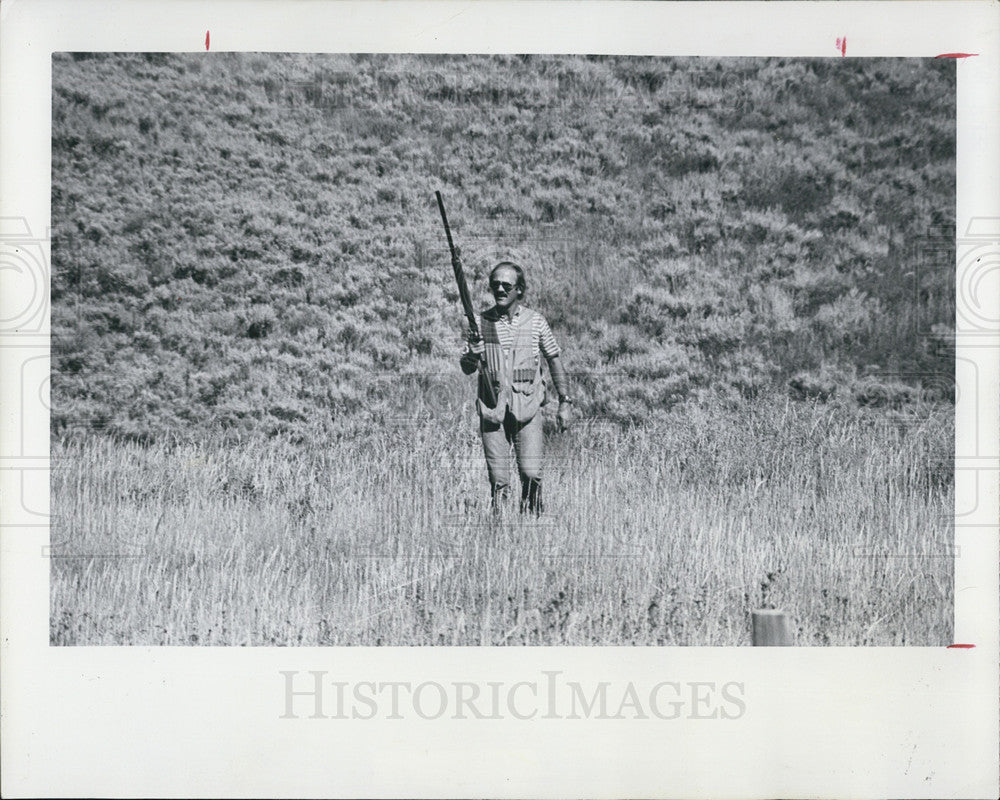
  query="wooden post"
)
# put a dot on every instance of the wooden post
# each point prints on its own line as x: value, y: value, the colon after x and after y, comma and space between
x: 770, y: 628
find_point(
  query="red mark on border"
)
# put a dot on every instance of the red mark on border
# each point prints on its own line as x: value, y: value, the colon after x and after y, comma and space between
x: 961, y: 646
x: 956, y: 55
x: 207, y: 39
x: 842, y: 45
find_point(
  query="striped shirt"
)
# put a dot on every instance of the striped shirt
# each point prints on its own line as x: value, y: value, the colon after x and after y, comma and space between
x: 541, y: 334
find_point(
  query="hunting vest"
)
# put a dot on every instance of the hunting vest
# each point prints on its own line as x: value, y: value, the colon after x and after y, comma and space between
x: 513, y: 364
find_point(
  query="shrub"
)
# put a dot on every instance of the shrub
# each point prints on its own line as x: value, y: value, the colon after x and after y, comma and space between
x: 876, y: 393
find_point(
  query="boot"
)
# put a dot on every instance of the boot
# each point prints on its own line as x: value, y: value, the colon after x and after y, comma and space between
x: 498, y: 498
x: 531, y: 496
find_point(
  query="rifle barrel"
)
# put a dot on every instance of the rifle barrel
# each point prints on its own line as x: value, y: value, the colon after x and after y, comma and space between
x: 456, y: 264
x: 444, y: 219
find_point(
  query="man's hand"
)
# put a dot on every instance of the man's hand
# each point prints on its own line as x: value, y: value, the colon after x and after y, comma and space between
x: 476, y: 345
x: 564, y: 416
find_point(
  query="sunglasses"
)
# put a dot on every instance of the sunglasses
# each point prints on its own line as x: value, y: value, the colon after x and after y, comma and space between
x: 507, y: 287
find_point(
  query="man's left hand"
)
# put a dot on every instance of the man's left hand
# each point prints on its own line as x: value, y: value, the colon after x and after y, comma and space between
x: 564, y: 416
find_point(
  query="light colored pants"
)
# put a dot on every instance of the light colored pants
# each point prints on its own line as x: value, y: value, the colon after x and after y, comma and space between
x: 528, y: 447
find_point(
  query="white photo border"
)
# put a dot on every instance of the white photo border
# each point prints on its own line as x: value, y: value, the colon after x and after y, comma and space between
x: 818, y: 722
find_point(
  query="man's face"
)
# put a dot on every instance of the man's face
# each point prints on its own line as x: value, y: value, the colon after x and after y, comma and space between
x: 503, y: 284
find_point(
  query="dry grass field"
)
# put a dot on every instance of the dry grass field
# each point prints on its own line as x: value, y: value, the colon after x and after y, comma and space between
x: 661, y: 535
x: 756, y: 298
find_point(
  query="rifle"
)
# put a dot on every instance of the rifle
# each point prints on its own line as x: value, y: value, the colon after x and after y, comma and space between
x: 466, y: 298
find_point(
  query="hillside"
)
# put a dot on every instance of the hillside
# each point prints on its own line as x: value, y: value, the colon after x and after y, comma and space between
x: 250, y: 242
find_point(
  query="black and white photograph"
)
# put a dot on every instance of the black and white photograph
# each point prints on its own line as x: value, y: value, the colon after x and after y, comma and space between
x: 435, y: 398
x: 502, y: 350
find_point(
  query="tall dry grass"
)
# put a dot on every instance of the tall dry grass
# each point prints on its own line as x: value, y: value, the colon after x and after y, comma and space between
x: 668, y: 534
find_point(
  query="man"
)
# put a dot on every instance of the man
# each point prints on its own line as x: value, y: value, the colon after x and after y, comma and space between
x: 514, y: 337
